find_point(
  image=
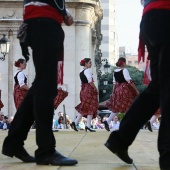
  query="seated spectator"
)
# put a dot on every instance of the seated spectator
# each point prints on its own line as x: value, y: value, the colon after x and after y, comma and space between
x: 60, y: 122
x: 69, y: 121
x: 1, y: 120
x: 100, y: 125
x: 94, y: 123
x: 115, y: 124
x: 81, y: 124
x: 56, y: 121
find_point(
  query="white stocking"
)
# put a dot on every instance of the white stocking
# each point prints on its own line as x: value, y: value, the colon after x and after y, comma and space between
x: 78, y: 118
x: 112, y: 115
x: 153, y: 118
x: 89, y: 118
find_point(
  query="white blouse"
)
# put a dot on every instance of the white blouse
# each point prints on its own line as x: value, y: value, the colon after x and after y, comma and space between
x: 20, y: 77
x: 125, y: 74
x: 88, y: 75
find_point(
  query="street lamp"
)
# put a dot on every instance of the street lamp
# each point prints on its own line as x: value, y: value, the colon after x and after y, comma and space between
x: 106, y: 67
x: 105, y: 82
x: 4, y: 46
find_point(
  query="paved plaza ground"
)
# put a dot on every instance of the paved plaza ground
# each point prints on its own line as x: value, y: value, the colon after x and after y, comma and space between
x: 89, y: 150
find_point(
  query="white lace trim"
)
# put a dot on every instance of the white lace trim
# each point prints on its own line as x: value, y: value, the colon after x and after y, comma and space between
x: 36, y: 4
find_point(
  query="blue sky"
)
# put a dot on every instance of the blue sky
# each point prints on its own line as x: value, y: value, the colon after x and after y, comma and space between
x: 129, y: 14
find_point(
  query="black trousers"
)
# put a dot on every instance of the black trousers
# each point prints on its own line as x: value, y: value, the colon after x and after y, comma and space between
x: 45, y: 37
x: 155, y: 32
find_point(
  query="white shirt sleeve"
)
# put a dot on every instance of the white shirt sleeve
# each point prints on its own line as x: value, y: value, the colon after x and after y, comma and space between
x: 21, y: 78
x: 88, y: 75
x: 126, y: 75
x: 114, y: 81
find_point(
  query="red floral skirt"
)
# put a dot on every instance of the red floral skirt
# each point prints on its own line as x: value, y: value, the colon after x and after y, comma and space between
x: 122, y: 98
x: 19, y: 95
x: 61, y: 95
x: 1, y: 104
x: 89, y: 101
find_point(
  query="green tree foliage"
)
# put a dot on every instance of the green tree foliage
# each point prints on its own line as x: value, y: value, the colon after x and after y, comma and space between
x: 106, y: 90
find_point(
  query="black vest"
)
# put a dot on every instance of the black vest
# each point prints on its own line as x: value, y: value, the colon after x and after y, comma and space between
x: 146, y: 2
x: 57, y: 4
x: 16, y: 79
x: 119, y: 77
x: 83, y: 78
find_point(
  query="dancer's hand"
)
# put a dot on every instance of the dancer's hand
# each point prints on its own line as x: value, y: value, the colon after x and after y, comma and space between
x: 68, y: 19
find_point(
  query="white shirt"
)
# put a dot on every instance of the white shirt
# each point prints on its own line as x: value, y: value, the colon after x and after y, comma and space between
x: 115, y: 125
x: 88, y: 75
x: 20, y: 77
x: 125, y: 74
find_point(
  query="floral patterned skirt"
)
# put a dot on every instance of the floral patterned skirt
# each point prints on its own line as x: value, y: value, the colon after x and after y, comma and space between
x: 19, y: 95
x: 122, y: 98
x: 1, y: 104
x: 89, y: 101
x: 61, y: 95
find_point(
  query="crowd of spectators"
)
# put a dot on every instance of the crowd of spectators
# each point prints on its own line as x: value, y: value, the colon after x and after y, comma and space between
x: 59, y: 123
x: 5, y: 121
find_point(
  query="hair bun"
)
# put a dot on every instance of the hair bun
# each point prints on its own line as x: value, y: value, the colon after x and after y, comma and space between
x: 82, y: 62
x: 17, y: 64
x: 120, y: 63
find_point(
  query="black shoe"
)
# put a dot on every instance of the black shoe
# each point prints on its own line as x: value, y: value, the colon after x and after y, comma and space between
x: 91, y: 130
x: 148, y: 125
x: 73, y: 126
x: 123, y: 155
x: 165, y: 168
x: 57, y: 159
x: 21, y: 154
x: 106, y: 126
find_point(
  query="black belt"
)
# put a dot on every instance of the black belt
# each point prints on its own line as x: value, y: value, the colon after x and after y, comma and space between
x: 146, y: 2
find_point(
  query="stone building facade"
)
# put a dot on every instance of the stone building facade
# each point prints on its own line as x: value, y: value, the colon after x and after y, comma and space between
x: 109, y: 46
x: 81, y: 40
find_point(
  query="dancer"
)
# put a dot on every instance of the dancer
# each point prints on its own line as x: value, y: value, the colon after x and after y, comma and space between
x: 124, y: 92
x: 20, y: 86
x: 43, y: 33
x: 155, y: 34
x: 88, y: 97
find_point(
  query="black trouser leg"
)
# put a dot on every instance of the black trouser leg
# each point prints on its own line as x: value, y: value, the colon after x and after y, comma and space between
x: 164, y: 130
x: 46, y: 40
x: 21, y: 124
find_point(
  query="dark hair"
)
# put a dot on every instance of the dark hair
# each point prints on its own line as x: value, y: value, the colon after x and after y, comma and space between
x: 120, y: 61
x: 60, y: 119
x: 18, y: 62
x: 85, y: 60
x: 5, y: 117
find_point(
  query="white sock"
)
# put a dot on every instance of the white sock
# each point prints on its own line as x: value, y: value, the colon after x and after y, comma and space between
x: 112, y: 115
x: 153, y: 118
x: 78, y: 118
x: 89, y: 118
